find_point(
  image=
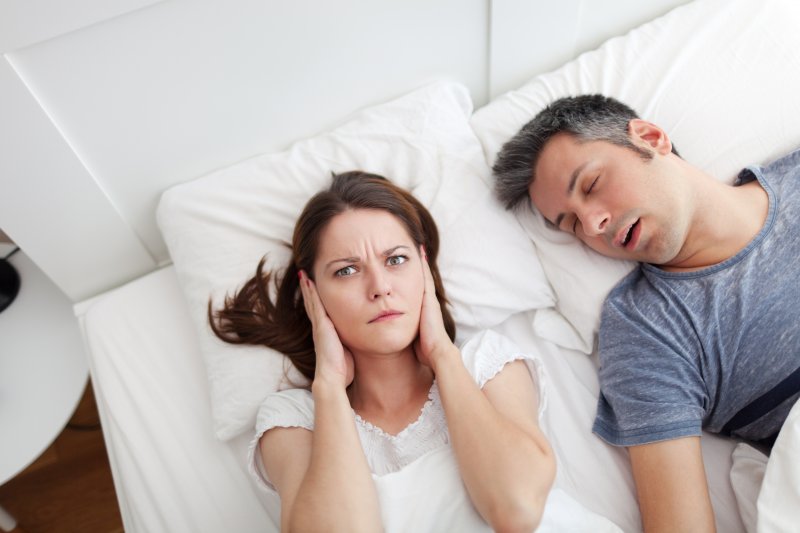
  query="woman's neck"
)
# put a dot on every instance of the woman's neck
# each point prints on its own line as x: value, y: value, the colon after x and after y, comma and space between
x: 389, y: 390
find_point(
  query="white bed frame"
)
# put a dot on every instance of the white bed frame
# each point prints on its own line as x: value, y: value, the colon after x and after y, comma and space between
x: 106, y: 103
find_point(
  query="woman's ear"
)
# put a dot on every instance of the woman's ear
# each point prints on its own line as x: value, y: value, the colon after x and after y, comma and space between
x: 649, y: 136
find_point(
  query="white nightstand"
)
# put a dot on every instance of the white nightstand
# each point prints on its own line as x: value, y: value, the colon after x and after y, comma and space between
x: 43, y: 367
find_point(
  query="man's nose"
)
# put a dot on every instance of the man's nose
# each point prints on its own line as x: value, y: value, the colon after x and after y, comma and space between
x: 594, y: 221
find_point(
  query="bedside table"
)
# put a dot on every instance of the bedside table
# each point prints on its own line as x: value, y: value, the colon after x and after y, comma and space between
x: 43, y: 367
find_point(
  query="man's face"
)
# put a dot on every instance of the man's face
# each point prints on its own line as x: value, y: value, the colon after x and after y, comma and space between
x: 613, y: 200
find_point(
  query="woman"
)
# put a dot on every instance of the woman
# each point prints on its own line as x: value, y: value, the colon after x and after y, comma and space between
x: 389, y: 387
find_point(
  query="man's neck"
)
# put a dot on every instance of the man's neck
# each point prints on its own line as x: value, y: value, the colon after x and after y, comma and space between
x: 726, y: 220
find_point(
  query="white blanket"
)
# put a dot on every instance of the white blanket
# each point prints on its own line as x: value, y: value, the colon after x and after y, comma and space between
x: 428, y: 495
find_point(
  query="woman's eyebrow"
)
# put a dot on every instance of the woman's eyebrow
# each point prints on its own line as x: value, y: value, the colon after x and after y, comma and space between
x: 391, y: 251
x: 343, y: 260
x: 356, y: 259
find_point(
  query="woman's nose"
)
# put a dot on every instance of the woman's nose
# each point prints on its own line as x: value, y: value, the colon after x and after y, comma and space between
x: 379, y: 285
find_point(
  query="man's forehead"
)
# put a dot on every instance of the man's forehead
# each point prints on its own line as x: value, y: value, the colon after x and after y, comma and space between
x: 541, y: 201
x: 553, y: 158
x: 553, y: 178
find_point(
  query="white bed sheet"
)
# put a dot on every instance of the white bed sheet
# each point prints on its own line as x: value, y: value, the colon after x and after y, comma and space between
x: 172, y: 474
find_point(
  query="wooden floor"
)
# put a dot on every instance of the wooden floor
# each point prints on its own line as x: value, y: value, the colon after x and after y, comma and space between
x: 69, y: 487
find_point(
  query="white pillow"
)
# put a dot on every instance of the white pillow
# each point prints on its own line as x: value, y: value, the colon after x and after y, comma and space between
x: 218, y: 226
x: 720, y: 76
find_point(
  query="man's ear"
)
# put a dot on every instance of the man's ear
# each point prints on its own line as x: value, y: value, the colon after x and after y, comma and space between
x: 649, y: 136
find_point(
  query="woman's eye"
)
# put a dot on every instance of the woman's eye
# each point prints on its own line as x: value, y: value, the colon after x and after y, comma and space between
x: 396, y: 260
x: 346, y: 271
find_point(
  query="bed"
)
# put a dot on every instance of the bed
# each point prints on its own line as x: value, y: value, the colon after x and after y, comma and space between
x: 176, y: 404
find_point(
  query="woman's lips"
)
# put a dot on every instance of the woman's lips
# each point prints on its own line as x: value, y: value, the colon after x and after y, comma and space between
x: 386, y: 315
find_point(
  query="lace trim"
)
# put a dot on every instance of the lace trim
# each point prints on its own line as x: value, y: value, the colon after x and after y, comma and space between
x: 389, y: 453
x: 254, y: 464
x: 368, y: 426
x: 499, y: 362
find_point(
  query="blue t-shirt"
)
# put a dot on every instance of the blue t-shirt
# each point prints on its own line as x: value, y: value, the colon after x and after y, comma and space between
x: 681, y: 351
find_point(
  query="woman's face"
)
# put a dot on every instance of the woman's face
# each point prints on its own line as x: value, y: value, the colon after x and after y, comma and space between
x: 369, y: 278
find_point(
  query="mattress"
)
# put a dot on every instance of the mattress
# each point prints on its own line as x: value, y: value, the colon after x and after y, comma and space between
x: 172, y: 474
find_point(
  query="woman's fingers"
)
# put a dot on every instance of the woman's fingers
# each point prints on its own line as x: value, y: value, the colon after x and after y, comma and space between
x: 311, y: 300
x: 307, y: 299
x: 433, y: 338
x: 303, y: 290
x: 430, y: 288
x: 430, y: 305
x: 333, y: 359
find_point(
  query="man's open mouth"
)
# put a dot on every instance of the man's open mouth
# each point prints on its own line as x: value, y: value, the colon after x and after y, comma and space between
x: 629, y: 235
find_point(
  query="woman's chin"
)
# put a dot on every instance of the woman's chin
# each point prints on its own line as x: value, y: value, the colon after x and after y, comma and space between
x: 387, y: 343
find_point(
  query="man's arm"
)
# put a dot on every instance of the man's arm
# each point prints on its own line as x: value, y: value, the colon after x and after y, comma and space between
x: 671, y: 486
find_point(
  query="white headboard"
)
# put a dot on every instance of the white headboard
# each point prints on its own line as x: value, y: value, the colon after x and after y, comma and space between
x: 106, y: 103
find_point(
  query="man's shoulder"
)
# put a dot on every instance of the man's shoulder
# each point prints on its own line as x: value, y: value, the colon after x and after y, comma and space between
x: 785, y: 163
x: 642, y: 302
x: 630, y: 289
x: 788, y: 164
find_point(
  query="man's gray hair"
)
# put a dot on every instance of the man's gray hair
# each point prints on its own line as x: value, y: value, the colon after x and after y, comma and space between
x: 591, y: 117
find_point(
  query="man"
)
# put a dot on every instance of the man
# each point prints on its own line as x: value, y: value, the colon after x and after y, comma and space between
x: 704, y: 334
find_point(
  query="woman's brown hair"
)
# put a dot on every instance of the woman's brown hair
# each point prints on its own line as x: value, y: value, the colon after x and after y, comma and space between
x: 250, y: 316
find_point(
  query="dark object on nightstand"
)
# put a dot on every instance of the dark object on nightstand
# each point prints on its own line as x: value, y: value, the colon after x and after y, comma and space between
x: 9, y: 284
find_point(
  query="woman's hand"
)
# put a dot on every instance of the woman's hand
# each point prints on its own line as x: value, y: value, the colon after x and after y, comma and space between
x: 334, y: 361
x: 433, y: 342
